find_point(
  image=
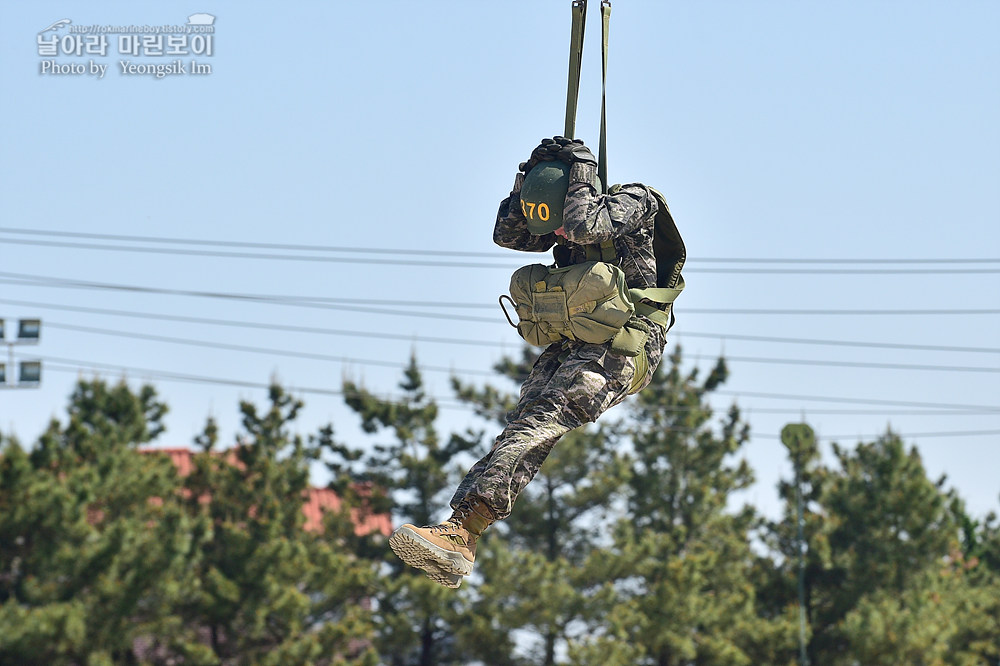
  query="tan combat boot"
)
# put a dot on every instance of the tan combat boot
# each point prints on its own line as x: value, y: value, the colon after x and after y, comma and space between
x: 445, y: 552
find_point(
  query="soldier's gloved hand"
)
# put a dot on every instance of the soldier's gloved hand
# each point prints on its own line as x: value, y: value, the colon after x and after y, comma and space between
x: 573, y: 150
x: 545, y: 152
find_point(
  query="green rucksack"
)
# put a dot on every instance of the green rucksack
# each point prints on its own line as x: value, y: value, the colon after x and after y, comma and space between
x: 669, y: 252
x: 591, y: 302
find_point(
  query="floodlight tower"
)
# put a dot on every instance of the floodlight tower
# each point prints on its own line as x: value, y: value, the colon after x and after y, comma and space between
x: 30, y: 375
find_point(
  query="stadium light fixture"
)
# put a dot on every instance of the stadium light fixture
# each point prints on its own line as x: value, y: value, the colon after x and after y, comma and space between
x: 29, y: 330
x: 31, y: 373
x: 30, y: 376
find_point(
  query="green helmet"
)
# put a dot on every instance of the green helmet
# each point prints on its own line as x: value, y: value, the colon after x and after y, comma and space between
x: 543, y: 195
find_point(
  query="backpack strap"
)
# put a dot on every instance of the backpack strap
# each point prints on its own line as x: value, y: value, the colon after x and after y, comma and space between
x: 668, y: 246
x: 670, y: 253
x: 605, y: 251
x: 662, y: 296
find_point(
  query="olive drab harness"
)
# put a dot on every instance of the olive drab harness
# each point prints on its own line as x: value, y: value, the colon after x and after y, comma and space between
x: 590, y: 301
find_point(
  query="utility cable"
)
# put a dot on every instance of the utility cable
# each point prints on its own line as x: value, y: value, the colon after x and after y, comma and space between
x: 679, y: 332
x: 339, y: 303
x: 72, y: 365
x: 288, y: 328
x: 992, y: 409
x: 476, y: 265
x: 466, y: 253
x: 909, y: 435
x: 261, y: 350
x: 344, y: 359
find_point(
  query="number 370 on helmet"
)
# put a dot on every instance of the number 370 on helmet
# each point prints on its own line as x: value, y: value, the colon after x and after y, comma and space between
x: 543, y: 195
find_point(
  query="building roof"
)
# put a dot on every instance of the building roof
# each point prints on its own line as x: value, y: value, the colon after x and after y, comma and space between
x: 317, y: 501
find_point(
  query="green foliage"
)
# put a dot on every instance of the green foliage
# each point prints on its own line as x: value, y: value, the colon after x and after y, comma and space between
x: 886, y: 579
x: 944, y: 617
x: 412, y: 474
x: 266, y: 590
x: 535, y: 568
x: 534, y: 575
x: 889, y: 521
x: 622, y: 550
x: 626, y: 549
x: 90, y: 558
x: 681, y: 561
x: 417, y: 461
x: 104, y: 548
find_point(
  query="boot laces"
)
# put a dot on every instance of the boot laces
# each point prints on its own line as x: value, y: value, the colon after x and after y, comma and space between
x: 451, y: 531
x: 445, y: 527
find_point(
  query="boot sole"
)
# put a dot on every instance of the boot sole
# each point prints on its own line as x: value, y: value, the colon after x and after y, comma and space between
x: 454, y: 581
x: 442, y: 566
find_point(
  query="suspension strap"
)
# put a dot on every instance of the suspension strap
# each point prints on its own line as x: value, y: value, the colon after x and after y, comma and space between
x: 603, y: 251
x: 602, y: 158
x: 575, y: 57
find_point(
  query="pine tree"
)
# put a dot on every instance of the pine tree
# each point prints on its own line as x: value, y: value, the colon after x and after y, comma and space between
x: 887, y: 524
x: 777, y: 581
x: 979, y: 633
x: 413, y: 475
x: 946, y: 615
x: 93, y: 551
x: 534, y: 578
x: 681, y: 560
x: 945, y: 607
x: 267, y: 591
x: 885, y: 576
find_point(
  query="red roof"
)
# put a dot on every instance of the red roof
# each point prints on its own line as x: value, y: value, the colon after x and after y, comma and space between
x: 317, y: 500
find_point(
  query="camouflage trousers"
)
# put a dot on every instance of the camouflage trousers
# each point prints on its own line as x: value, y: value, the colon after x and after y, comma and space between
x: 571, y: 384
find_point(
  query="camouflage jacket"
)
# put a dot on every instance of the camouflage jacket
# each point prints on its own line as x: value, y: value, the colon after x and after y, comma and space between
x: 625, y: 216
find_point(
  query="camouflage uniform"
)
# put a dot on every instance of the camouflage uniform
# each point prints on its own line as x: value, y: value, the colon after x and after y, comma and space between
x: 572, y: 383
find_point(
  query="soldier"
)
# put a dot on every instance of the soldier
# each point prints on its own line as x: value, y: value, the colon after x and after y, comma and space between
x: 572, y: 382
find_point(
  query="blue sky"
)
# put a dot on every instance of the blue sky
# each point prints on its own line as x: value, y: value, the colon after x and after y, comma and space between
x: 777, y: 130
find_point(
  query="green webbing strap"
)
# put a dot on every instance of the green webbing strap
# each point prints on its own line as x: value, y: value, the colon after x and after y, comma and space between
x: 655, y: 315
x: 659, y: 295
x: 602, y: 159
x: 605, y: 251
x: 575, y: 56
x: 656, y: 294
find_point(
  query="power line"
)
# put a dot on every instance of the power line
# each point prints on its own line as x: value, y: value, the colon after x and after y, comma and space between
x: 259, y: 325
x: 463, y: 253
x: 850, y: 312
x: 320, y: 302
x: 679, y: 331
x: 844, y: 271
x: 807, y: 412
x: 344, y: 359
x: 247, y: 244
x: 992, y: 409
x: 72, y: 365
x: 280, y: 257
x: 477, y: 265
x: 261, y: 350
x: 343, y: 304
x: 848, y: 260
x: 859, y: 364
x: 910, y: 435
